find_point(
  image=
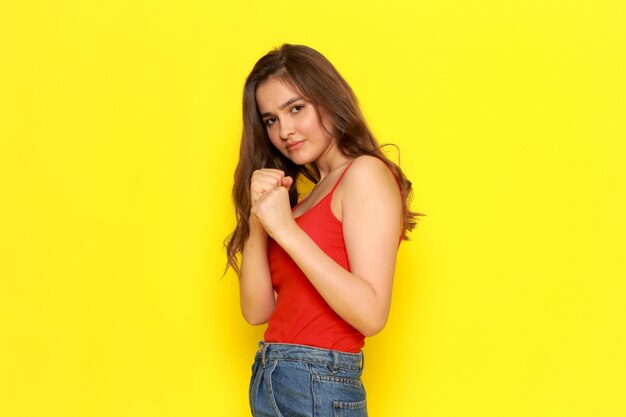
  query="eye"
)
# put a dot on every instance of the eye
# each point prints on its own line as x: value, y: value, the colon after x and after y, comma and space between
x: 270, y: 121
x: 296, y: 108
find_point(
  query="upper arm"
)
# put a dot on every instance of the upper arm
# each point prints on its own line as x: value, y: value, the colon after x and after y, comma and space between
x: 371, y: 207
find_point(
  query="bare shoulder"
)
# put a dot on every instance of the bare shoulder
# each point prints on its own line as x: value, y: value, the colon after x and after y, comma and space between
x: 368, y: 171
x: 367, y: 161
x: 371, y: 202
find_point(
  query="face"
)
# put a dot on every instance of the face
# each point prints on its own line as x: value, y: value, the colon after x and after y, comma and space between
x: 292, y: 123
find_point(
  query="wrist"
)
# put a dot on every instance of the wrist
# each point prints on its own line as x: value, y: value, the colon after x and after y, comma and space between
x: 287, y: 234
x: 255, y: 226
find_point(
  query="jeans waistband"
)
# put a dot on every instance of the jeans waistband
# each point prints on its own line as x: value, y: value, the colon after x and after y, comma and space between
x: 332, y: 358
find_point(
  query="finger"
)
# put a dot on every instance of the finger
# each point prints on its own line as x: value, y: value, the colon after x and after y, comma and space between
x: 265, y: 172
x: 278, y: 171
x: 273, y: 178
x: 266, y: 184
x: 287, y: 182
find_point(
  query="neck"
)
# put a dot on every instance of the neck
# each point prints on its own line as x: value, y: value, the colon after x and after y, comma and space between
x: 330, y: 161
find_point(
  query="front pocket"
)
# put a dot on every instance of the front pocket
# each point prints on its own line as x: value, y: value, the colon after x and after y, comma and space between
x: 254, y: 386
x: 269, y: 369
x: 290, y: 388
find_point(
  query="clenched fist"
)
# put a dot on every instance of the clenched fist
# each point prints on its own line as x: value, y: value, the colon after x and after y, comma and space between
x: 267, y: 179
x: 269, y: 194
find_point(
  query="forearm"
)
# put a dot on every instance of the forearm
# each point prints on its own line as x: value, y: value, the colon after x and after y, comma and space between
x: 353, y: 298
x: 255, y: 285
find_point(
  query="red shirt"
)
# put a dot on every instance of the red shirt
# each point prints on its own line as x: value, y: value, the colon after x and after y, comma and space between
x: 301, y: 316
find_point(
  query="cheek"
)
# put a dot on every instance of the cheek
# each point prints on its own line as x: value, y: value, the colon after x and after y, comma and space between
x: 316, y: 126
x: 272, y: 135
x: 310, y: 125
x: 326, y: 120
x: 275, y: 140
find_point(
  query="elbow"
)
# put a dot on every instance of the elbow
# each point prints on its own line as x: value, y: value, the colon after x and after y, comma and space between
x: 255, y: 312
x: 255, y: 318
x: 373, y: 326
x: 254, y: 321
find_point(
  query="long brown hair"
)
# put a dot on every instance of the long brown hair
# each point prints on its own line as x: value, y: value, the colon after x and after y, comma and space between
x: 310, y: 73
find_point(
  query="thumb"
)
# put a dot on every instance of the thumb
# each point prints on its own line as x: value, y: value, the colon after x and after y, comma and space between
x: 286, y: 182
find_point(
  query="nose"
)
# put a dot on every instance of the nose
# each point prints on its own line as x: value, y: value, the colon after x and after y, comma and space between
x: 286, y: 129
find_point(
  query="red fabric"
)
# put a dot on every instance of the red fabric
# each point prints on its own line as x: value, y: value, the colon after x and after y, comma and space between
x: 301, y: 316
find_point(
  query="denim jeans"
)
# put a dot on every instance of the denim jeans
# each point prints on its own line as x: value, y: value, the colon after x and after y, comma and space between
x: 303, y: 381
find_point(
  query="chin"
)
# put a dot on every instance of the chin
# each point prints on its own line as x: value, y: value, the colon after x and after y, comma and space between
x: 298, y: 160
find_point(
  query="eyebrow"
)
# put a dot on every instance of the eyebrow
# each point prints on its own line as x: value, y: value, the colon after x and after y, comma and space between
x: 282, y: 106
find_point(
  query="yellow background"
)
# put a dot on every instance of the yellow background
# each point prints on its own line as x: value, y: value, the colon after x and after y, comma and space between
x: 119, y: 130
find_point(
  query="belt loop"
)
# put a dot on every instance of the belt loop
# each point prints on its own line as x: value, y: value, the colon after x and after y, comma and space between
x: 335, y: 362
x: 263, y: 361
x: 362, y: 360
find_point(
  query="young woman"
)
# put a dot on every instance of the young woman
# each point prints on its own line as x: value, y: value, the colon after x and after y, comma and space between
x: 318, y: 271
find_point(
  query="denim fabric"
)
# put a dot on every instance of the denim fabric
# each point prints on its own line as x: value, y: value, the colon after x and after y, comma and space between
x: 303, y: 381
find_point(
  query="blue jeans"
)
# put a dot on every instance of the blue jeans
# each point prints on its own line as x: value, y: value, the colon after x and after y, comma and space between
x: 303, y: 381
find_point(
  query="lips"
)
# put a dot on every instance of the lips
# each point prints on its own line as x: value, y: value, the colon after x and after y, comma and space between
x: 294, y: 145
